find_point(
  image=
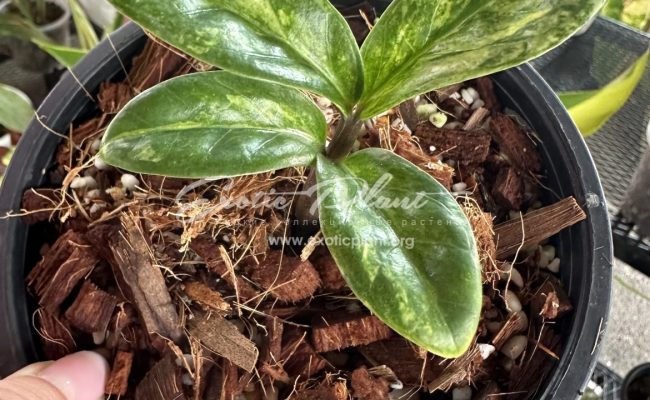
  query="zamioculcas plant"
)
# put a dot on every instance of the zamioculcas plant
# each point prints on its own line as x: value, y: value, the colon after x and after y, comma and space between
x: 254, y: 117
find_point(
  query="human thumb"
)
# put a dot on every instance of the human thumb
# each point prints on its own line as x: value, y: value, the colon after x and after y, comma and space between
x: 79, y: 376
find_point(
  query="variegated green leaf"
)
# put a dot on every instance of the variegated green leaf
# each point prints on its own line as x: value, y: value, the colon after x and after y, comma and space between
x: 215, y: 124
x: 421, y: 45
x: 306, y: 44
x: 591, y: 109
x: 404, y: 246
x: 16, y: 109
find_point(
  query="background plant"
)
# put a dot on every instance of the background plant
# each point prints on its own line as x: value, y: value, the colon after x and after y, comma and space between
x: 591, y: 109
x: 24, y: 25
x: 253, y: 117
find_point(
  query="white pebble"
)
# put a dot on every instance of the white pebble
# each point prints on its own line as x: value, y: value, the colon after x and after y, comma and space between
x: 546, y: 255
x: 438, y: 119
x: 99, y: 337
x: 97, y: 144
x: 473, y: 92
x: 100, y: 164
x: 129, y: 182
x: 512, y: 302
x: 477, y: 104
x: 187, y: 380
x: 514, y: 346
x: 78, y: 183
x: 397, y: 123
x: 81, y: 182
x: 92, y: 194
x: 486, y: 350
x: 455, y: 96
x: 522, y: 321
x: 95, y: 208
x: 462, y: 393
x: 554, y: 266
x: 397, y: 385
x: 458, y: 111
x: 458, y: 187
x: 598, y: 391
x: 91, y: 183
x: 514, y: 276
x: 432, y: 148
x: 467, y: 96
x: 426, y: 109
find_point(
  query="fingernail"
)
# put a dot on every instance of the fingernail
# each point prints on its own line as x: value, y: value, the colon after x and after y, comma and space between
x: 79, y: 376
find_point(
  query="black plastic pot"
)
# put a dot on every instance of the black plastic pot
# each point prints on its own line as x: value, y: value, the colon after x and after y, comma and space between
x: 638, y: 378
x: 585, y: 249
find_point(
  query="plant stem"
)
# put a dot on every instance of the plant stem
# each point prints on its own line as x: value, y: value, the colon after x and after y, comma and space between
x: 345, y: 136
x: 340, y: 146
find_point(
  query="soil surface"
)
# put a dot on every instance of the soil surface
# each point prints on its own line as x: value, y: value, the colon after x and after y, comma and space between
x: 189, y: 299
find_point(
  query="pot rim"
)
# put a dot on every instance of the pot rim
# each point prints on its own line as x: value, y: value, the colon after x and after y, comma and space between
x: 579, y: 354
x: 51, y: 26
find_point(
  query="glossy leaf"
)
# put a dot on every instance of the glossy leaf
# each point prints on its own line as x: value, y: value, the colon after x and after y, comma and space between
x: 215, y: 124
x: 64, y: 55
x: 16, y: 109
x: 414, y: 265
x: 448, y: 41
x: 306, y: 44
x: 591, y: 109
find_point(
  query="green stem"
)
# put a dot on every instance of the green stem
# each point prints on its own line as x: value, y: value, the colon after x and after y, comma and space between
x: 345, y: 136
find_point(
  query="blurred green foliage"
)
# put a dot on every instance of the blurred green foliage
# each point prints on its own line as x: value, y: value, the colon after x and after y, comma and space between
x: 635, y: 13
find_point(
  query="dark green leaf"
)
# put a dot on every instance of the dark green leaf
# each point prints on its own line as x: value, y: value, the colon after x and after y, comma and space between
x: 306, y: 44
x: 416, y: 265
x: 215, y: 124
x: 421, y: 45
x: 15, y: 108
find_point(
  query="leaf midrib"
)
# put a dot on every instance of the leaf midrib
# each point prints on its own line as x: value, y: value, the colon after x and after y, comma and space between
x: 135, y: 133
x: 383, y: 218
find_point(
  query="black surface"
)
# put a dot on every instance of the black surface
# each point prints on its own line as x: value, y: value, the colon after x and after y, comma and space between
x: 591, y: 61
x: 585, y: 249
x: 640, y: 371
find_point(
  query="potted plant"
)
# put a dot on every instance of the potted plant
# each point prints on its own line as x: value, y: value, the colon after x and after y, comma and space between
x: 258, y: 121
